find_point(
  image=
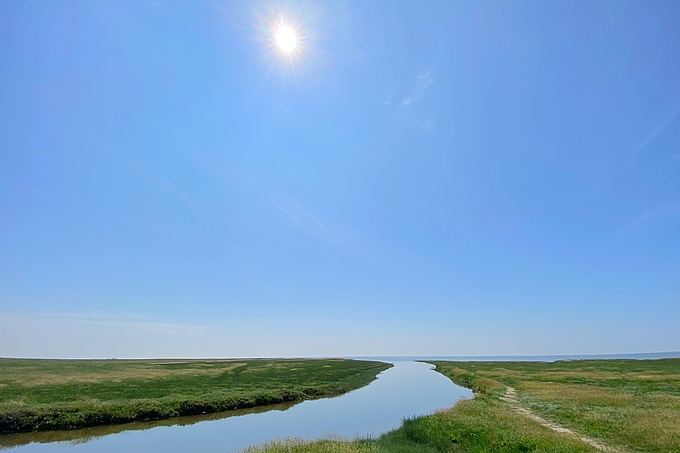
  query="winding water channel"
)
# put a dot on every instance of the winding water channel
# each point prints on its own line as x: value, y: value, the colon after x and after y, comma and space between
x: 407, y: 389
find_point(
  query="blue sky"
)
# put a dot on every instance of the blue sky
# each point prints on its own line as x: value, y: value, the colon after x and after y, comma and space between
x: 442, y: 177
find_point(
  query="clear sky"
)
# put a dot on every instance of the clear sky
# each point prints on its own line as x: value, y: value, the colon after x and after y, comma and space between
x: 441, y: 177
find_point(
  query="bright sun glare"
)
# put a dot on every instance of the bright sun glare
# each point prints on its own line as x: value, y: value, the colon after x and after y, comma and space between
x: 286, y: 39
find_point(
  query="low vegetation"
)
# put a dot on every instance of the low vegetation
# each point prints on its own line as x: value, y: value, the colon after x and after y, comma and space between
x: 627, y: 405
x: 620, y: 405
x: 39, y: 395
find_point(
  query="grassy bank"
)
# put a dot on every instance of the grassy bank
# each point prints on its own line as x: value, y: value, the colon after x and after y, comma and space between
x: 624, y: 405
x: 39, y: 395
x: 630, y: 405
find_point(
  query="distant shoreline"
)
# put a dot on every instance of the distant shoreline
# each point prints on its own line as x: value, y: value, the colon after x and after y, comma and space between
x: 388, y: 358
x: 524, y: 358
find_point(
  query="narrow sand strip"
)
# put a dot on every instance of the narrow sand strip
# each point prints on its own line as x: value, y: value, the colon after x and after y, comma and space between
x: 510, y: 397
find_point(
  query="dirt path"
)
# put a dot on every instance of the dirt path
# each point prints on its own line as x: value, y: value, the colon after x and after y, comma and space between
x: 510, y: 397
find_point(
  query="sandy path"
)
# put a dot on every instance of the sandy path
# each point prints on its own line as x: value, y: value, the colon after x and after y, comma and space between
x: 510, y: 397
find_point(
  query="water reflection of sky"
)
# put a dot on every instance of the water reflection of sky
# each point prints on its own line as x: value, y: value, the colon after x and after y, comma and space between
x: 407, y: 389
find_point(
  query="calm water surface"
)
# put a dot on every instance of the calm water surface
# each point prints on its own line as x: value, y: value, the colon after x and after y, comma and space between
x: 407, y: 389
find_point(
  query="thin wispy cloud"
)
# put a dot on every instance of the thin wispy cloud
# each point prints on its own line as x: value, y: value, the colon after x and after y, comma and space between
x: 662, y: 127
x: 269, y: 196
x: 120, y: 320
x: 304, y: 220
x: 84, y: 336
x: 665, y: 215
x: 423, y: 80
x: 300, y: 222
x: 171, y: 188
x: 211, y: 209
x: 389, y: 98
x: 428, y: 125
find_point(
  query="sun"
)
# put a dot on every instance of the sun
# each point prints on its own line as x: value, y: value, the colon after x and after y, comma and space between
x: 286, y: 39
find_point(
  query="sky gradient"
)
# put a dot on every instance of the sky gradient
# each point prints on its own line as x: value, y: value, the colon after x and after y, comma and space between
x: 437, y: 178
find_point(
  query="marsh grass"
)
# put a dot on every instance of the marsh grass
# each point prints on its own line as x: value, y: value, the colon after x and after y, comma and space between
x: 38, y: 395
x: 472, y: 426
x: 632, y: 406
x: 481, y: 425
x: 320, y: 446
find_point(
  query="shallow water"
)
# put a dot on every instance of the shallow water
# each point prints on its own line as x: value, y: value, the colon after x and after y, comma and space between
x: 405, y: 390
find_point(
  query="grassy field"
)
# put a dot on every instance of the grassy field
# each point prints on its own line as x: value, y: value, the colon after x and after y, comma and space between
x: 38, y: 395
x: 630, y: 405
x: 623, y: 405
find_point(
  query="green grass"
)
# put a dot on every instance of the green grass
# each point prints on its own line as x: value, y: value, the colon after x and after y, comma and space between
x: 629, y: 405
x: 473, y: 426
x: 38, y: 395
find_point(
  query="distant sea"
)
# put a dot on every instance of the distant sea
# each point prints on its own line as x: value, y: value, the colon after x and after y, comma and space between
x: 525, y: 358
